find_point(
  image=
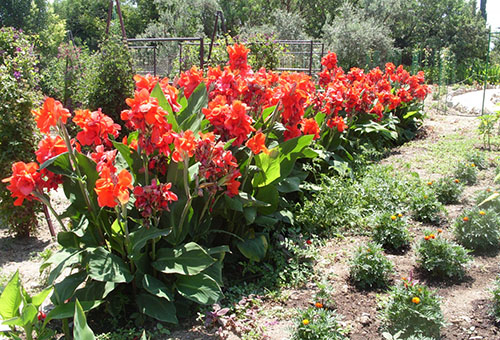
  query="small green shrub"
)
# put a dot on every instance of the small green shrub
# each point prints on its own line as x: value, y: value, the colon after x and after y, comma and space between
x: 496, y: 299
x: 441, y: 258
x: 319, y: 324
x: 477, y: 158
x: 448, y: 190
x: 478, y: 229
x: 425, y: 207
x: 18, y: 93
x: 412, y: 309
x: 391, y: 231
x: 369, y: 267
x: 466, y: 172
x: 114, y: 80
x: 492, y: 203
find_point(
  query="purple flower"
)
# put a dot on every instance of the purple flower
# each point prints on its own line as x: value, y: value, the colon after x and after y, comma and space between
x: 18, y: 49
x: 17, y: 75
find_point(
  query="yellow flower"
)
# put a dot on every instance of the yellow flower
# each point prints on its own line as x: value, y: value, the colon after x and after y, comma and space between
x: 466, y: 219
x: 400, y: 215
x: 305, y: 322
x: 425, y: 196
x: 393, y: 217
x: 429, y: 183
x: 457, y: 181
x: 482, y: 213
x: 473, y: 165
x: 416, y: 300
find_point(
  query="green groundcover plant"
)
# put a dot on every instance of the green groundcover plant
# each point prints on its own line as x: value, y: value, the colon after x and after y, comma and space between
x: 391, y: 231
x: 478, y: 229
x: 319, y: 324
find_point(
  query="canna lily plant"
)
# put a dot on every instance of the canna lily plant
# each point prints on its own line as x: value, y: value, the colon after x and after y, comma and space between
x: 201, y: 172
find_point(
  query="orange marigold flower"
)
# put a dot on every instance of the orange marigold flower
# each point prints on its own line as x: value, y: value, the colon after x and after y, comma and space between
x: 466, y: 219
x: 457, y: 180
x: 305, y: 322
x: 427, y: 237
x: 393, y: 217
x: 472, y: 165
x: 482, y: 213
x: 257, y: 144
x: 318, y: 305
x: 416, y: 300
x: 440, y: 231
x: 400, y: 215
x: 23, y: 182
x: 429, y: 183
x: 432, y: 236
x: 50, y: 114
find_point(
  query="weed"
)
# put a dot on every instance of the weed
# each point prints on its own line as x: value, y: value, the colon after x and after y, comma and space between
x: 477, y: 158
x: 496, y: 299
x: 492, y: 203
x: 369, y: 267
x: 441, y: 258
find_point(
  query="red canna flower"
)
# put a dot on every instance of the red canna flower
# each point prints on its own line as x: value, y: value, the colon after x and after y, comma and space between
x: 184, y: 146
x: 190, y: 80
x: 96, y: 126
x: 49, y: 147
x: 310, y: 127
x: 24, y: 180
x: 50, y: 114
x: 257, y: 144
x: 337, y: 122
x: 329, y: 61
x: 112, y: 189
x: 153, y: 198
x: 238, y: 55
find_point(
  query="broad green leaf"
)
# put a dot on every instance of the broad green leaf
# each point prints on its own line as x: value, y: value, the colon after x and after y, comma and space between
x: 270, y: 195
x: 233, y: 203
x: 269, y: 164
x: 215, y: 272
x: 489, y: 198
x: 68, y: 310
x: 81, y: 330
x: 38, y: 299
x: 59, y: 164
x: 156, y: 287
x: 157, y: 308
x: 11, y: 298
x: 68, y: 239
x: 62, y: 259
x: 88, y: 169
x: 139, y: 238
x: 200, y: 288
x: 163, y: 102
x: 289, y: 184
x: 290, y: 151
x: 94, y: 290
x: 191, y: 117
x: 250, y: 213
x: 27, y: 317
x: 255, y: 248
x: 188, y: 259
x: 266, y: 221
x: 66, y: 288
x: 107, y: 267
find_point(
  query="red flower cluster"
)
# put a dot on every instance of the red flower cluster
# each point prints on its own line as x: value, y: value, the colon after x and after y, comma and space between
x: 112, y: 189
x: 96, y: 126
x: 153, y: 198
x: 50, y: 114
x: 218, y: 167
x: 24, y: 180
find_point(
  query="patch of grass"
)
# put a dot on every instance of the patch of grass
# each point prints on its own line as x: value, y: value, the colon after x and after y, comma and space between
x: 449, y: 150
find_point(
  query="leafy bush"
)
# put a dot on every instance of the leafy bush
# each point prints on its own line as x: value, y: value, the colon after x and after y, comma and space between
x: 466, y: 172
x: 478, y: 229
x: 412, y: 309
x: 369, y: 267
x: 424, y: 205
x: 441, y: 258
x: 113, y: 83
x: 390, y: 230
x: 448, y: 190
x: 319, y: 324
x: 352, y: 36
x: 18, y: 93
